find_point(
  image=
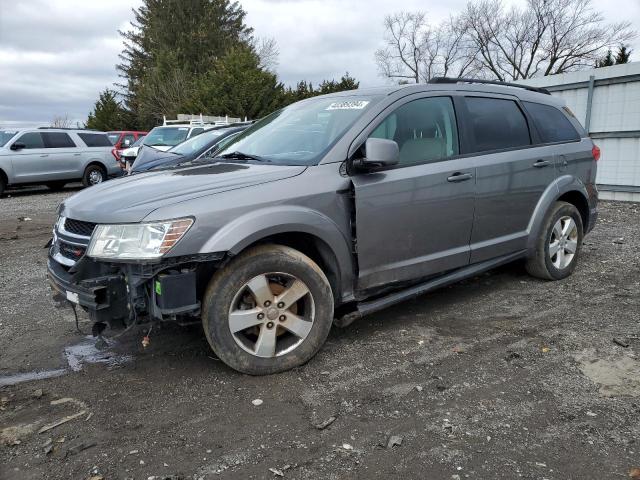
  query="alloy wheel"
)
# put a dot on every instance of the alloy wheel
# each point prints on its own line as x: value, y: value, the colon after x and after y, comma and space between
x: 271, y: 314
x: 563, y: 244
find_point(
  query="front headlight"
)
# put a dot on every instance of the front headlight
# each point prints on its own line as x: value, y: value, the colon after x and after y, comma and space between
x: 137, y: 240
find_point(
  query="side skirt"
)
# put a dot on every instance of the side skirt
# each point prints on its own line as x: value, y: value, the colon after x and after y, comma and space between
x: 371, y: 306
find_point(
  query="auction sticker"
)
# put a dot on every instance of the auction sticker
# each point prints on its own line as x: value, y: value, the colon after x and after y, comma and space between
x: 348, y: 105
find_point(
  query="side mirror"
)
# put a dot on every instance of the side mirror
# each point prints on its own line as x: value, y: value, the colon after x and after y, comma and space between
x: 17, y: 146
x: 380, y: 153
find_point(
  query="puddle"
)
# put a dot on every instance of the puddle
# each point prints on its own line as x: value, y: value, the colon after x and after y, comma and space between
x: 86, y: 352
x: 27, y: 377
x: 83, y: 353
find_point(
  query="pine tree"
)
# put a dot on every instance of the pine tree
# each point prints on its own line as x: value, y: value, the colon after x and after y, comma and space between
x: 109, y: 114
x: 607, y: 61
x: 623, y: 55
x: 169, y: 35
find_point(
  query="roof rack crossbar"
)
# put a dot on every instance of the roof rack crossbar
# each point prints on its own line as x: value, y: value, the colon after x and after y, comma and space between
x: 488, y: 82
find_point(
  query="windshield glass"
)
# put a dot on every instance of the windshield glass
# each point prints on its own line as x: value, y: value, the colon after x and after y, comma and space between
x: 113, y: 137
x: 302, y: 132
x: 166, y: 136
x: 196, y: 143
x: 6, y: 135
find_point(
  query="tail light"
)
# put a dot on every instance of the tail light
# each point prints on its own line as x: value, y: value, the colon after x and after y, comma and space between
x: 116, y: 154
x: 595, y: 151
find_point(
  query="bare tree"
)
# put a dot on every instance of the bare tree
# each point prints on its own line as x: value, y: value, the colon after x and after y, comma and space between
x: 544, y: 38
x: 61, y: 121
x: 417, y: 51
x: 268, y: 52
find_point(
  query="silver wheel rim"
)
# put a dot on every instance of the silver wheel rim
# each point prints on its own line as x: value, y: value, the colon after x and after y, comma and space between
x: 271, y: 315
x: 563, y: 244
x: 95, y: 177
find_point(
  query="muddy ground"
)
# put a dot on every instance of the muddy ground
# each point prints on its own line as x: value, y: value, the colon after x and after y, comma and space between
x: 499, y: 377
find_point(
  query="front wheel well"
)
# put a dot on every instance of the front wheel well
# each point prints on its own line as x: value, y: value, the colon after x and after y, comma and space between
x: 314, y: 248
x: 579, y: 201
x: 4, y: 177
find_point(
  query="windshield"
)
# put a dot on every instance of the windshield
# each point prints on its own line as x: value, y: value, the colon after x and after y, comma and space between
x: 196, y: 143
x: 300, y: 133
x: 166, y: 136
x: 113, y: 137
x: 6, y: 135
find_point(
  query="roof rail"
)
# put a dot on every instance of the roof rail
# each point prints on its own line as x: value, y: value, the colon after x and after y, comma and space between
x: 70, y: 128
x: 488, y: 82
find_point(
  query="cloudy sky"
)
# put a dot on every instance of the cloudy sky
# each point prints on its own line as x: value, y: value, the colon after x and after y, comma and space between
x: 57, y: 55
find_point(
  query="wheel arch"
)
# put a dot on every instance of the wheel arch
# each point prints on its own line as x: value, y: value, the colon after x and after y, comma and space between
x: 97, y: 163
x: 308, y: 231
x: 567, y: 189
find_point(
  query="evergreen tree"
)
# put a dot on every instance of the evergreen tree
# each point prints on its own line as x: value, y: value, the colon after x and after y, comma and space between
x: 607, y: 61
x: 623, y: 55
x: 187, y: 35
x: 109, y: 114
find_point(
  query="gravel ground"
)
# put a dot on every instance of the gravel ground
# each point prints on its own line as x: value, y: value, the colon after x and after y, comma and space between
x: 497, y: 377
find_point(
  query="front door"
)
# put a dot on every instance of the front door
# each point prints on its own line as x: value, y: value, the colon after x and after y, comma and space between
x: 414, y: 220
x: 30, y: 162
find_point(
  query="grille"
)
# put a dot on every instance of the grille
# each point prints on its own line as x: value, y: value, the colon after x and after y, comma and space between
x: 72, y: 252
x: 78, y: 227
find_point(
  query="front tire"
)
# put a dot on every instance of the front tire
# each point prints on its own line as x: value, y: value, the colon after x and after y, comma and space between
x: 3, y: 185
x: 556, y: 250
x: 269, y: 310
x: 93, y: 175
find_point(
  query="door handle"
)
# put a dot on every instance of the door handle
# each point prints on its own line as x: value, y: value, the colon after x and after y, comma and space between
x: 76, y: 154
x: 541, y: 163
x: 44, y: 155
x: 459, y: 177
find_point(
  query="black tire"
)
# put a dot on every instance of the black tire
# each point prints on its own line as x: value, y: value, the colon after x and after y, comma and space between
x: 540, y: 263
x: 3, y: 184
x: 90, y: 172
x: 225, y: 287
x: 56, y: 186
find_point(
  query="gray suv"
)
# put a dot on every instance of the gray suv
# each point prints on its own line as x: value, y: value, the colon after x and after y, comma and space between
x: 329, y: 209
x: 55, y: 157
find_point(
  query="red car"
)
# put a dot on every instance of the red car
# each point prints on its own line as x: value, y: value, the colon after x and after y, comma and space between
x: 123, y: 139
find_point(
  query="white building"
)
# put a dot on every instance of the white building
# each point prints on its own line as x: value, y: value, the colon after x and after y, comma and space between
x: 607, y: 102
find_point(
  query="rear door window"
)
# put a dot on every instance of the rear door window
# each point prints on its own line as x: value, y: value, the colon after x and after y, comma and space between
x: 497, y: 124
x: 95, y: 140
x: 551, y: 123
x: 57, y: 140
x: 31, y: 140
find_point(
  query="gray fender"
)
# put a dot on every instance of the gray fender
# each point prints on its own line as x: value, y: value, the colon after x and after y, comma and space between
x: 243, y: 231
x: 561, y: 185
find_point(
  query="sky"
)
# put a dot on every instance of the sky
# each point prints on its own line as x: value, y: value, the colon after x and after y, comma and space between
x: 56, y: 56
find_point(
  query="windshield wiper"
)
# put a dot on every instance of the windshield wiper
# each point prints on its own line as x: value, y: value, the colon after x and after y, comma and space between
x: 242, y: 156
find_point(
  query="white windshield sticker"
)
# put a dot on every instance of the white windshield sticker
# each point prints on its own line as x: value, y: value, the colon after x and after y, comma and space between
x: 348, y: 105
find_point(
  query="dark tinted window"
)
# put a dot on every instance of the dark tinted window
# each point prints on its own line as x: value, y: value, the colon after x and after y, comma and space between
x: 497, y: 124
x: 551, y: 123
x: 57, y: 140
x: 31, y: 140
x: 95, y: 140
x: 425, y: 130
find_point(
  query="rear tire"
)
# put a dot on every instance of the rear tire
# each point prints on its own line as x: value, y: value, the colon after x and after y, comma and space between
x: 269, y: 310
x: 55, y: 186
x: 93, y: 175
x: 557, y: 248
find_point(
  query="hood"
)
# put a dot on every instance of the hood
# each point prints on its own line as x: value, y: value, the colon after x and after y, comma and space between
x: 148, y: 157
x: 132, y: 198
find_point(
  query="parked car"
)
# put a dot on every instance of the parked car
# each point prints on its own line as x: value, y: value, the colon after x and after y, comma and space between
x: 128, y: 155
x: 333, y: 208
x: 122, y: 139
x: 199, y: 147
x: 55, y: 157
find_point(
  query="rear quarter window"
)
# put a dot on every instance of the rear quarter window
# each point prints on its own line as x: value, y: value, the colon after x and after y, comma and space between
x: 95, y: 140
x: 497, y: 124
x: 553, y: 126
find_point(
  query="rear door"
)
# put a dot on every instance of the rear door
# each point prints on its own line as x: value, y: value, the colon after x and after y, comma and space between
x: 513, y: 171
x: 29, y: 163
x: 414, y: 219
x: 65, y: 158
